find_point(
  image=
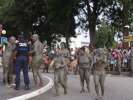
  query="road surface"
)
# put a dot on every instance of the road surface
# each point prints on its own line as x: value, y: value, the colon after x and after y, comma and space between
x: 6, y: 92
x: 117, y: 88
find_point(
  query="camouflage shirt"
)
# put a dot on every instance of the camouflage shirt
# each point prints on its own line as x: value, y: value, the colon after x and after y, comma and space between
x: 59, y: 62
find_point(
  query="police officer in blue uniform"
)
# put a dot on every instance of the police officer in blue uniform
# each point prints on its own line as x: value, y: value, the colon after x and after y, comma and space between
x: 21, y: 52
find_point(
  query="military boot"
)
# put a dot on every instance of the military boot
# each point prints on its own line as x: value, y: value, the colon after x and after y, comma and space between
x: 27, y: 87
x: 17, y: 87
x: 65, y: 91
x: 82, y: 91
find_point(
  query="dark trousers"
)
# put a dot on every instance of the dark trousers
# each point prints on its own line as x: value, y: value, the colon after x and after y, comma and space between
x: 22, y: 63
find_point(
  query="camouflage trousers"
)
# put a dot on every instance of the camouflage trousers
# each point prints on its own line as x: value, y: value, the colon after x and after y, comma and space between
x: 99, y: 80
x: 119, y: 65
x: 131, y: 65
x: 60, y: 78
x: 8, y: 73
x: 85, y: 74
x: 36, y: 63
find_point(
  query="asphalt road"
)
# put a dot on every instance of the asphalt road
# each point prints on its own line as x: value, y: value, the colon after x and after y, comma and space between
x: 6, y: 92
x: 116, y: 88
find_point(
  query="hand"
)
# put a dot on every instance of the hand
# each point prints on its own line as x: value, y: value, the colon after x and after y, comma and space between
x: 14, y: 58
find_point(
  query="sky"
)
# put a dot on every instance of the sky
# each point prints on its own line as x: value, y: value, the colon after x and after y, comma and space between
x: 82, y: 39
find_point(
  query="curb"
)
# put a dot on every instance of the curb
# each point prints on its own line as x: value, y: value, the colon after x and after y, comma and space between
x: 36, y: 92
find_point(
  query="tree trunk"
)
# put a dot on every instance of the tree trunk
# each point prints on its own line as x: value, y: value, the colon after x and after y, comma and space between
x: 92, y: 19
x: 67, y: 40
x: 92, y: 29
x: 92, y: 35
x: 124, y: 17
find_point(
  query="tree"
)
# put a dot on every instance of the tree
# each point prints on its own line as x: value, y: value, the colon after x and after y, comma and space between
x: 91, y: 10
x: 20, y: 15
x: 105, y: 35
x: 45, y: 17
x: 61, y: 17
x: 119, y: 14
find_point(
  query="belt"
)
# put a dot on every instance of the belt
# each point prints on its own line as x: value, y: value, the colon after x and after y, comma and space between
x: 59, y: 68
x: 21, y: 55
x: 83, y: 64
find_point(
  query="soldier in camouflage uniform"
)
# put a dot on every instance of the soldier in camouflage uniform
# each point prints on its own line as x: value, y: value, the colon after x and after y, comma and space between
x: 85, y: 64
x: 132, y: 60
x: 8, y: 61
x: 119, y: 60
x: 60, y: 74
x: 99, y: 65
x: 65, y: 53
x: 37, y: 54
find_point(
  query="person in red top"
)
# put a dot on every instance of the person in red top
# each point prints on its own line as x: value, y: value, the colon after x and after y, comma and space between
x: 46, y: 62
x: 114, y: 54
x: 119, y: 60
x: 1, y: 53
x: 1, y: 50
x: 125, y: 59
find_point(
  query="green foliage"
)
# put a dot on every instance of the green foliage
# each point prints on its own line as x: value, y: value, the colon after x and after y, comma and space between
x: 120, y: 13
x: 92, y: 9
x: 19, y: 15
x: 105, y: 36
x: 61, y: 17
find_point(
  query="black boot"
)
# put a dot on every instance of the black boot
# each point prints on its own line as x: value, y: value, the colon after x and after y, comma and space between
x: 27, y: 87
x: 65, y: 91
x: 17, y: 87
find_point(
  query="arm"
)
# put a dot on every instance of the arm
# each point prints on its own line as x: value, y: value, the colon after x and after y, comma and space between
x: 51, y: 63
x: 92, y: 60
x: 32, y: 50
x: 14, y: 53
x: 68, y: 54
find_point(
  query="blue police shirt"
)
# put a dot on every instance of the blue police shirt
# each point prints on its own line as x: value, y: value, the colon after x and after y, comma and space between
x: 22, y: 49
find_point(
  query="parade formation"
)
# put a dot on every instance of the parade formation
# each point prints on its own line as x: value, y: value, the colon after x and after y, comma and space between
x: 21, y: 54
x: 83, y: 47
x: 24, y: 55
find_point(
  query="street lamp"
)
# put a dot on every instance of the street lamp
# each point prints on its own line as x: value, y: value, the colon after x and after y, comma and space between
x: 3, y: 32
x: 43, y: 18
x: 3, y: 39
x: 1, y: 28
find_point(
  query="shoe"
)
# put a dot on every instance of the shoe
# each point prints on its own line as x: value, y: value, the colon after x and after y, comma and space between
x: 13, y: 85
x: 40, y: 84
x: 27, y: 87
x: 17, y: 88
x: 98, y: 98
x: 65, y: 92
x: 57, y: 94
x: 82, y: 91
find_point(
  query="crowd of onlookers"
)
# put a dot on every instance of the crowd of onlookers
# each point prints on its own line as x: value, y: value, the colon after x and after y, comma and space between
x: 118, y: 59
